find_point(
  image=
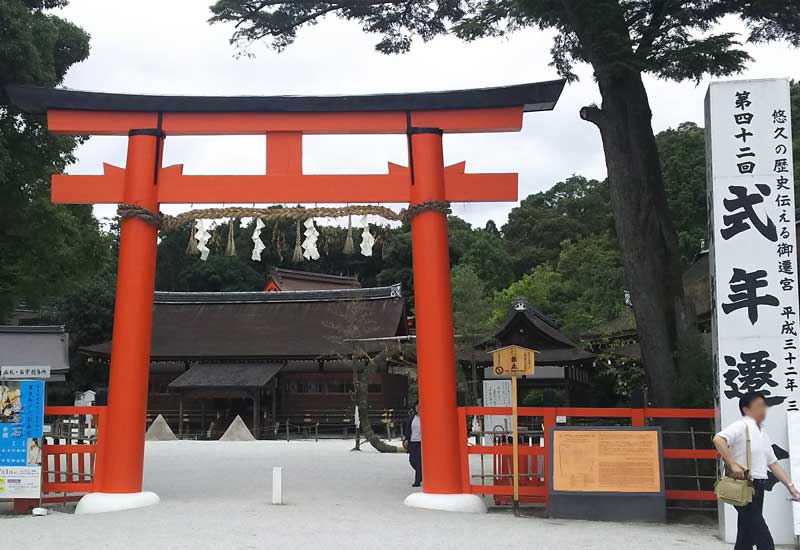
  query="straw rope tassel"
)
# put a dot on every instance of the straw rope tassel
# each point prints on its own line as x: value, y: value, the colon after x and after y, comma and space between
x: 191, y: 246
x: 297, y: 257
x: 349, y: 246
x: 230, y: 249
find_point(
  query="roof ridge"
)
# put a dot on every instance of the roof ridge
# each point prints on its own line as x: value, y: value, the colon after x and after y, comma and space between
x: 259, y: 296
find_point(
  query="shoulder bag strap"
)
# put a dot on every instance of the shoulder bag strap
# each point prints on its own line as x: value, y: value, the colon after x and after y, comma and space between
x: 747, y: 454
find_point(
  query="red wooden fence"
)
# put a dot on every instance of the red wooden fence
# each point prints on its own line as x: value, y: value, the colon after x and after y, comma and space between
x: 69, y: 469
x: 538, y: 492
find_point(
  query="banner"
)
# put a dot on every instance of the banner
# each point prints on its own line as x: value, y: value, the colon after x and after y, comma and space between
x: 21, y: 417
x: 753, y: 266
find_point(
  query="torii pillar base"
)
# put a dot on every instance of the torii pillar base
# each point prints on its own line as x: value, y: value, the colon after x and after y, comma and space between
x: 466, y: 503
x: 99, y: 503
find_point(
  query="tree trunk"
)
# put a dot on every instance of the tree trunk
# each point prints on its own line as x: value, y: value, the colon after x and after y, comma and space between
x: 361, y: 383
x: 653, y: 271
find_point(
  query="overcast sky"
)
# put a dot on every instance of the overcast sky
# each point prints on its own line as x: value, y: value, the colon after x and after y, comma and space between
x: 167, y: 47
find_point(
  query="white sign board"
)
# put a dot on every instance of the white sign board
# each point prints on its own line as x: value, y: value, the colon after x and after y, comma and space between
x: 496, y: 393
x: 793, y: 423
x: 753, y: 263
x: 8, y: 372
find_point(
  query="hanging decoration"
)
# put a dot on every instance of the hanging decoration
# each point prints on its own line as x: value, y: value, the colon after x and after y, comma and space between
x: 310, y: 251
x: 191, y: 246
x: 258, y: 244
x: 203, y: 232
x: 278, y: 241
x: 297, y: 257
x: 230, y: 248
x: 367, y: 240
x: 202, y: 236
x: 349, y: 247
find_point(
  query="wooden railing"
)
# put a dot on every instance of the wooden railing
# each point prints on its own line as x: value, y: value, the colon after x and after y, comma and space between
x: 537, y: 490
x: 72, y: 453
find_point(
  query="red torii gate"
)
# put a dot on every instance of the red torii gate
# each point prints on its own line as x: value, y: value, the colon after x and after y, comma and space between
x: 147, y: 120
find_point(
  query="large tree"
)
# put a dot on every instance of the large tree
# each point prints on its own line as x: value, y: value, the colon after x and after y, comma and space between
x: 45, y: 249
x: 621, y: 40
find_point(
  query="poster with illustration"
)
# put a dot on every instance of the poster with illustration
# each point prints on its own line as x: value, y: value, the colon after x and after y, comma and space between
x: 21, y: 416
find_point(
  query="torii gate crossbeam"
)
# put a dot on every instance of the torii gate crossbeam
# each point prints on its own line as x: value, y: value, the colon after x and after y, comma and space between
x: 147, y: 120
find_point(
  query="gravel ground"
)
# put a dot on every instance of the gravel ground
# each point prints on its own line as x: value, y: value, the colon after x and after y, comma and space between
x: 218, y: 494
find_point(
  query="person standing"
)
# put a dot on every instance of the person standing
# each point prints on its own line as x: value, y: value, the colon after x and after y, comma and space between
x: 731, y: 443
x: 412, y: 434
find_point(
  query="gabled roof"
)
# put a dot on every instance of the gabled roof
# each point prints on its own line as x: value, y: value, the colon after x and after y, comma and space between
x: 247, y: 375
x: 526, y: 326
x: 246, y: 326
x: 292, y: 279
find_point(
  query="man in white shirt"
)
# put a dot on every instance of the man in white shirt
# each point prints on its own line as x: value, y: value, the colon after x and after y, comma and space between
x: 731, y: 443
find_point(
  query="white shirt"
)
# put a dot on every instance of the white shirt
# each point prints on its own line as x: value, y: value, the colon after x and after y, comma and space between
x: 761, y: 453
x: 416, y: 429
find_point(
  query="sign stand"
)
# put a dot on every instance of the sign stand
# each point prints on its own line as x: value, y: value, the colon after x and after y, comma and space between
x: 514, y: 361
x: 514, y: 444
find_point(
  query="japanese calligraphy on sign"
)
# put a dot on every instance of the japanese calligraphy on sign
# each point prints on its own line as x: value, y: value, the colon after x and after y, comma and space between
x: 21, y: 418
x: 753, y: 254
x: 24, y: 373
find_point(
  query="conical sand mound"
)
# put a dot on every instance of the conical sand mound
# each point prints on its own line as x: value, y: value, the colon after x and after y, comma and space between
x: 159, y: 430
x: 237, y: 431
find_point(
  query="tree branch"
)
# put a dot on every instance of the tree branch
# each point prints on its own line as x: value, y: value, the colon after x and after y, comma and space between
x: 593, y: 114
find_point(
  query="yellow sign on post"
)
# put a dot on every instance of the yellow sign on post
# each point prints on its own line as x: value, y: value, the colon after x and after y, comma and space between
x: 514, y: 361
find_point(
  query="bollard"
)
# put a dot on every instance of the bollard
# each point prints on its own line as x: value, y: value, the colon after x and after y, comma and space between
x: 277, y: 489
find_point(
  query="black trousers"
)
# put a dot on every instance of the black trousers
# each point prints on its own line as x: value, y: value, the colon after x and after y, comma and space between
x: 415, y: 459
x: 752, y: 530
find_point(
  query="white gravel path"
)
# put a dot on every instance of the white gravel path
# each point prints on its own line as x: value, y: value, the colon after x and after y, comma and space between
x: 216, y: 495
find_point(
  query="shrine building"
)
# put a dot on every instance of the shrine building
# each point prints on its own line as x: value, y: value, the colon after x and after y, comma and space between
x: 269, y: 356
x: 563, y: 367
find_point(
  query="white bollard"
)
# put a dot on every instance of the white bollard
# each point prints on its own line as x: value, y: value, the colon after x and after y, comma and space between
x: 277, y: 489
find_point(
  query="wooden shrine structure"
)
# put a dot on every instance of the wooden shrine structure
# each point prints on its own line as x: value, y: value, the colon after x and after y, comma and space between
x: 562, y: 365
x: 270, y: 357
x: 426, y: 184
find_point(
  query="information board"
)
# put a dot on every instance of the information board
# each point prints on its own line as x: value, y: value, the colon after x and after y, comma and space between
x: 609, y: 473
x: 21, y: 416
x: 618, y: 461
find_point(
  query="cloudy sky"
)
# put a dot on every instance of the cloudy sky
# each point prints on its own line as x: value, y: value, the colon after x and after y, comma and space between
x: 167, y: 47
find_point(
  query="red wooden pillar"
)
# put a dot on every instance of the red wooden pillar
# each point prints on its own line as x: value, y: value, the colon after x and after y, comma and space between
x: 434, y: 318
x: 123, y: 456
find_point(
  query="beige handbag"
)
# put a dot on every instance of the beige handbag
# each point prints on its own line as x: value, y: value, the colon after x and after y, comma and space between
x: 736, y: 492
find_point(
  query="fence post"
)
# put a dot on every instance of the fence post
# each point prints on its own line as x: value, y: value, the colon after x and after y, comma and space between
x: 463, y: 438
x: 316, y: 433
x: 548, y: 421
x: 637, y: 417
x: 287, y: 430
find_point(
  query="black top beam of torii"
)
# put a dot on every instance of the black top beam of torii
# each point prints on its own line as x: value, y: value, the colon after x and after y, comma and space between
x: 538, y: 96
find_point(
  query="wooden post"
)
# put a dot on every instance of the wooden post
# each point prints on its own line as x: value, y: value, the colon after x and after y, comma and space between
x: 434, y: 316
x: 514, y: 444
x: 202, y: 417
x: 133, y: 313
x: 256, y: 410
x: 180, y: 416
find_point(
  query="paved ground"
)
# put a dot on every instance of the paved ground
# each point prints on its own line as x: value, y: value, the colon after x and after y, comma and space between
x: 217, y: 495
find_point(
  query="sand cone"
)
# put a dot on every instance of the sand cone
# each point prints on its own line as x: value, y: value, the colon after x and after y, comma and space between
x: 159, y: 430
x: 237, y: 431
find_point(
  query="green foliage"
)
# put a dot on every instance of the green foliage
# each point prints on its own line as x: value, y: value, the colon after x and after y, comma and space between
x: 46, y: 249
x: 570, y: 210
x: 582, y: 290
x: 683, y: 165
x: 674, y: 40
